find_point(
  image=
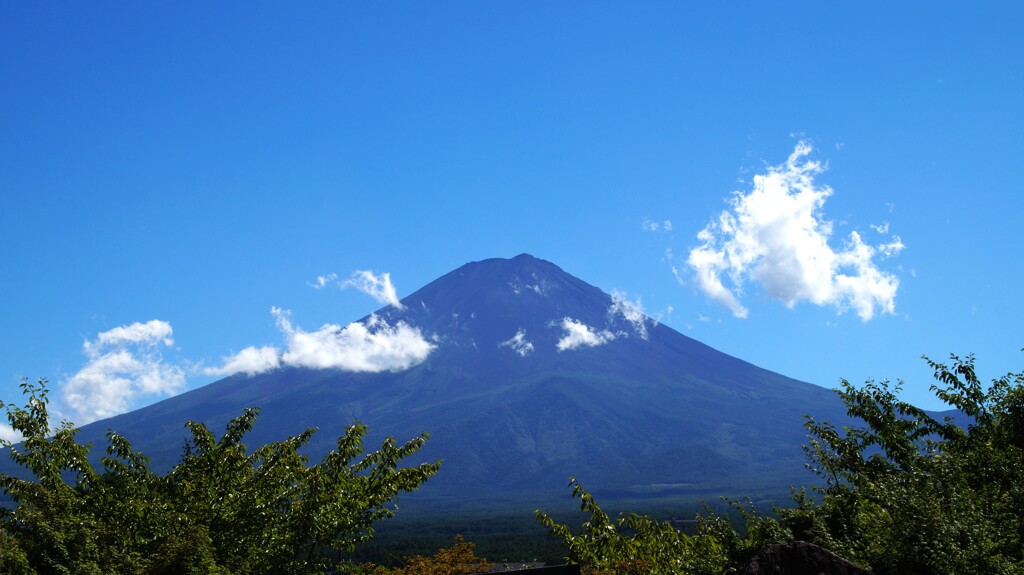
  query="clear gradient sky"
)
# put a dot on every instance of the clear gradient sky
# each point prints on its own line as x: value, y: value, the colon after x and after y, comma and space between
x: 826, y: 190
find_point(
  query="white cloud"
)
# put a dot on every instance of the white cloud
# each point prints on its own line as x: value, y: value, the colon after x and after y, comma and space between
x: 251, y: 360
x: 379, y: 287
x: 152, y: 332
x: 883, y: 228
x: 578, y: 334
x: 631, y: 311
x: 322, y: 281
x: 660, y: 316
x: 371, y: 347
x: 124, y: 362
x: 868, y: 287
x: 708, y: 264
x: 518, y: 343
x: 7, y: 433
x: 649, y: 225
x: 894, y: 247
x: 776, y: 236
x: 675, y: 270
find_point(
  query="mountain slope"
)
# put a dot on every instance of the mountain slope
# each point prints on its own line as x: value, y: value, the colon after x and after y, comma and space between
x: 514, y: 406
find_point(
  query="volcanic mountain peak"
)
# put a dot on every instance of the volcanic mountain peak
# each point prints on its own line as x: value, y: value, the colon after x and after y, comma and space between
x: 519, y: 305
x: 533, y: 375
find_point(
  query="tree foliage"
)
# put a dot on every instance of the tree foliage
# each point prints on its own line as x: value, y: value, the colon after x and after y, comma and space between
x: 903, y: 492
x: 633, y: 544
x: 907, y: 493
x: 458, y: 559
x: 221, y: 510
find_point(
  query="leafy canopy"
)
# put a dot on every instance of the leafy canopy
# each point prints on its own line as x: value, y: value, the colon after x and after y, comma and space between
x: 908, y: 493
x: 902, y: 492
x: 221, y: 510
x: 633, y: 544
x: 459, y: 559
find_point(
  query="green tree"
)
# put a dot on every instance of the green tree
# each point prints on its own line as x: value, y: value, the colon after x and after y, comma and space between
x: 903, y: 492
x: 222, y: 509
x: 634, y: 544
x: 906, y: 493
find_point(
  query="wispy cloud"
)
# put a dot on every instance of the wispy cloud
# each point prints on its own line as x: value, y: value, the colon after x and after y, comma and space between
x: 777, y: 237
x: 892, y: 248
x: 377, y: 286
x: 659, y: 317
x: 631, y: 311
x: 578, y: 334
x: 123, y: 363
x: 519, y: 287
x: 371, y: 347
x: 518, y: 343
x: 676, y: 272
x: 649, y: 225
x: 250, y: 361
x: 323, y: 281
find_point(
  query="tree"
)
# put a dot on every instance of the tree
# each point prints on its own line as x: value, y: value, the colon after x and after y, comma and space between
x: 633, y: 544
x: 902, y: 492
x: 459, y: 559
x: 221, y: 509
x: 907, y: 493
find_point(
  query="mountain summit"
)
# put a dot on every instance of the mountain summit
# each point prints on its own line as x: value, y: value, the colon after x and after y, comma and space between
x: 533, y: 375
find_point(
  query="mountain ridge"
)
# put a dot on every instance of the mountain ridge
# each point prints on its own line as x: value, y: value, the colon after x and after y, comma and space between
x: 630, y: 404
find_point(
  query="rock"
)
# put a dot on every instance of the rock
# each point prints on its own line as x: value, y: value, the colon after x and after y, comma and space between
x: 799, y: 558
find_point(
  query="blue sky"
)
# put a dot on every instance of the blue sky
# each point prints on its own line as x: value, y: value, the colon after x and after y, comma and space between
x: 199, y: 165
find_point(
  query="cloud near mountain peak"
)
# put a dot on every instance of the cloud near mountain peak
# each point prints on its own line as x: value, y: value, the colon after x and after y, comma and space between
x: 518, y: 343
x: 377, y: 286
x: 370, y: 346
x: 631, y: 311
x: 578, y: 334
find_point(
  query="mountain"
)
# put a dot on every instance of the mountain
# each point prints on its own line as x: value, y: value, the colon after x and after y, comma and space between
x: 534, y: 376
